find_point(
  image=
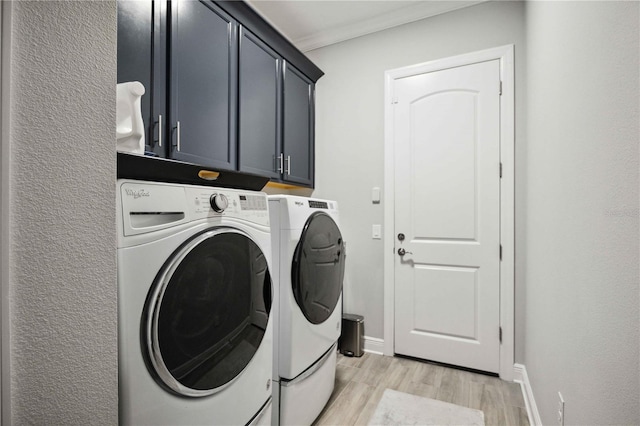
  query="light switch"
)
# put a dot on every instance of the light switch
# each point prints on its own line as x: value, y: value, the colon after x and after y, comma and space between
x: 376, y: 232
x: 375, y: 195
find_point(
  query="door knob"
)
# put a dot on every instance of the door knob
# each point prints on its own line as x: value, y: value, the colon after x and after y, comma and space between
x: 402, y: 251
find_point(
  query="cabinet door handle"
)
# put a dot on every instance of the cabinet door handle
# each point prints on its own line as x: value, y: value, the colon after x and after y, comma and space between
x: 178, y: 136
x: 288, y: 164
x: 160, y: 130
x: 280, y: 160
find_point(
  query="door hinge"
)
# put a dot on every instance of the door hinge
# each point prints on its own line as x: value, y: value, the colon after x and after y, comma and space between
x: 500, y: 251
x: 500, y: 89
x: 500, y: 333
x: 500, y: 170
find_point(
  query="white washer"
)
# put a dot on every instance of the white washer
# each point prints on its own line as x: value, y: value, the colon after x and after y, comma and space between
x: 308, y: 266
x: 194, y: 299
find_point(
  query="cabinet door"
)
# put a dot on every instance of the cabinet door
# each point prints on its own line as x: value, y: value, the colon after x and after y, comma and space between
x: 259, y: 106
x: 298, y: 129
x: 142, y: 57
x: 203, y: 81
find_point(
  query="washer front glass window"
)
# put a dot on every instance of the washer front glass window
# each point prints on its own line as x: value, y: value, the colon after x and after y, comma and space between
x: 207, y: 312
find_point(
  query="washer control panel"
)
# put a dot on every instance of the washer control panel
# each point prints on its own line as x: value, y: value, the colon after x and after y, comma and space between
x: 253, y: 202
x: 216, y: 202
x: 152, y: 206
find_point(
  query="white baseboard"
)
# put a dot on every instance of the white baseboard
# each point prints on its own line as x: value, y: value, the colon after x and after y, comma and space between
x: 520, y: 376
x: 374, y: 345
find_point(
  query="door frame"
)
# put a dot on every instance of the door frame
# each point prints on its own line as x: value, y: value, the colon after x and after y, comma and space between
x: 505, y: 54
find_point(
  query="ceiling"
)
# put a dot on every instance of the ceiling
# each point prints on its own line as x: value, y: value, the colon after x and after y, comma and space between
x: 310, y: 24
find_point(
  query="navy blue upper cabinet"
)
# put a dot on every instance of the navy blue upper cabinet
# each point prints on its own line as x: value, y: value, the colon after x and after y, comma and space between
x: 276, y: 119
x: 203, y: 82
x: 298, y: 127
x: 259, y: 106
x: 142, y: 57
x: 223, y: 88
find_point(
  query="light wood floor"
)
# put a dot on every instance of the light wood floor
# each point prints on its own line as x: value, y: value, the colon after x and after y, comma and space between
x: 360, y: 383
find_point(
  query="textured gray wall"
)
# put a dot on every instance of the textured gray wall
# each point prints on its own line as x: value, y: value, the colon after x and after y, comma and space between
x: 63, y: 268
x: 582, y: 326
x: 350, y: 133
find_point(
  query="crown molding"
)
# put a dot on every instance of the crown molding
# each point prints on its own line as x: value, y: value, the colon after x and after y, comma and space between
x: 420, y: 10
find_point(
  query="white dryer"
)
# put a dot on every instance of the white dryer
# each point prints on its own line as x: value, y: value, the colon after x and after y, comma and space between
x: 194, y: 298
x: 308, y: 268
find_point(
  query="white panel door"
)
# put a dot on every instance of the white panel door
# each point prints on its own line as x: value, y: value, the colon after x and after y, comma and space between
x: 446, y: 130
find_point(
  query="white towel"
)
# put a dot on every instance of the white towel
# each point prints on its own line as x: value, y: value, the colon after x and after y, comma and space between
x: 129, y: 124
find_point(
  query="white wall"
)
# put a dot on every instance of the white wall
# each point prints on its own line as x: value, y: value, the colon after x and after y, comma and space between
x: 582, y: 276
x: 62, y: 282
x: 350, y: 131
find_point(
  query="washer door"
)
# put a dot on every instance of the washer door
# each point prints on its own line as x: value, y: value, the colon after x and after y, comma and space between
x: 318, y: 268
x: 207, y: 312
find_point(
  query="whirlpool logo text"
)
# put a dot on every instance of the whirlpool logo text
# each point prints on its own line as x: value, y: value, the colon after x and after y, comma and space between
x: 137, y: 193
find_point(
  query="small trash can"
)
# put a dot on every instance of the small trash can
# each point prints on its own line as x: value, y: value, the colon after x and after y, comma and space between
x: 351, y: 341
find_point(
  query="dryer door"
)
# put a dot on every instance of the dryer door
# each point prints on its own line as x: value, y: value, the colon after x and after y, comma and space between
x: 318, y: 268
x: 207, y: 312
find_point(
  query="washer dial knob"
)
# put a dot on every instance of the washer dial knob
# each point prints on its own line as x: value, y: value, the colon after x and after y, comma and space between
x: 218, y: 202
